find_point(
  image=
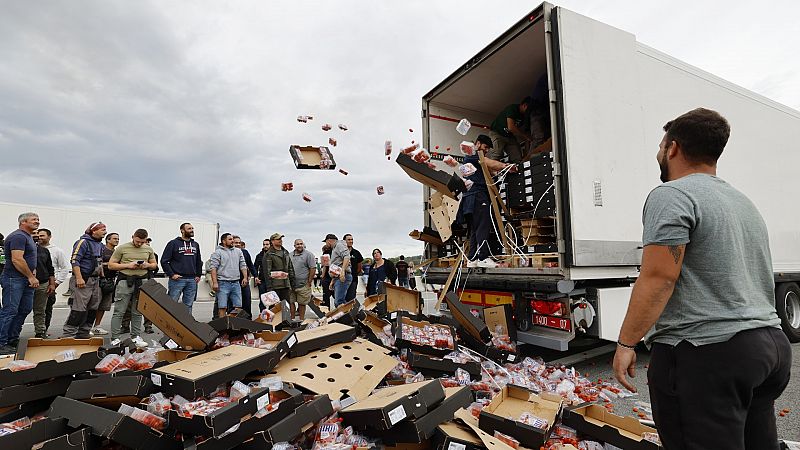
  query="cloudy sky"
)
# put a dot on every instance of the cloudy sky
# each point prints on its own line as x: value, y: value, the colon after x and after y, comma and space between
x: 187, y: 108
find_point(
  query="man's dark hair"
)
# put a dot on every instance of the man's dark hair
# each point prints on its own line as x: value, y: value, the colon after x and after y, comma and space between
x: 110, y: 235
x: 484, y: 139
x: 223, y: 236
x: 402, y: 257
x: 377, y: 250
x: 184, y: 225
x: 141, y: 233
x: 345, y: 236
x: 49, y: 234
x: 526, y: 101
x: 701, y: 133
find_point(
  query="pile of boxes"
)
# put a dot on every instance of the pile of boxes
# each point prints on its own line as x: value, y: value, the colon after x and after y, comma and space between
x: 377, y: 374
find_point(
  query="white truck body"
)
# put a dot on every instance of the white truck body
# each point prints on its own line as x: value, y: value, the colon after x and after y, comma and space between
x: 609, y: 98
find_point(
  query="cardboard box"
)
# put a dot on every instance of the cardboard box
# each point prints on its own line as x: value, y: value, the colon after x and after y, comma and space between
x: 423, y: 428
x: 437, y: 367
x: 375, y: 303
x: 454, y: 436
x: 348, y: 310
x: 163, y: 357
x: 386, y: 407
x: 448, y: 184
x: 490, y: 351
x: 502, y: 412
x: 402, y: 299
x: 39, y: 431
x: 29, y: 409
x: 221, y: 420
x: 82, y: 439
x: 399, y: 342
x: 282, y: 341
x: 238, y: 325
x: 109, y: 391
x: 295, y: 423
x: 321, y: 337
x: 489, y: 441
x: 597, y: 422
x: 23, y: 393
x: 173, y: 318
x: 471, y: 324
x: 307, y: 157
x: 351, y: 369
x: 502, y: 315
x: 372, y: 326
x: 43, y: 352
x: 200, y: 375
x: 112, y: 425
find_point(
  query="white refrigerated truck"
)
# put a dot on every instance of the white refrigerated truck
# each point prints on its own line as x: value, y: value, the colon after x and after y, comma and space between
x: 609, y: 97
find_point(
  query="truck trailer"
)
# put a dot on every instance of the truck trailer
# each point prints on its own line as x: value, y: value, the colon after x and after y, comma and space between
x: 575, y: 235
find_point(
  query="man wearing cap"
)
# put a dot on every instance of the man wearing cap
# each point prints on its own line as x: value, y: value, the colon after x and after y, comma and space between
x: 87, y: 268
x: 475, y: 207
x: 277, y: 270
x: 340, y: 262
x: 18, y: 281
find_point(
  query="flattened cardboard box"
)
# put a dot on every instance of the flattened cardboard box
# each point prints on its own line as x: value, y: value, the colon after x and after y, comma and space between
x: 321, y: 337
x: 597, y: 422
x: 262, y: 433
x: 219, y: 421
x: 173, y: 318
x: 307, y: 157
x: 43, y: 351
x: 454, y: 436
x: 432, y: 366
x: 351, y: 369
x: 200, y: 375
x: 471, y: 324
x: 386, y: 407
x: 24, y: 393
x: 423, y: 428
x: 512, y: 402
x: 112, y: 425
x: 39, y: 431
x: 110, y: 391
x: 400, y: 342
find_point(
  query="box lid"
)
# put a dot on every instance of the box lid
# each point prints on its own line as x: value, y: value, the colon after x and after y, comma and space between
x: 173, y: 318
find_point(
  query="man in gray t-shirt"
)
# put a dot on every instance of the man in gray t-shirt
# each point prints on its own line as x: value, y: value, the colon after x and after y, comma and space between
x: 704, y: 301
x: 340, y: 260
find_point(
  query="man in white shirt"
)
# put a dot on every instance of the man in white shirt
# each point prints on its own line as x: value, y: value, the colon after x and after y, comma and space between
x: 62, y: 267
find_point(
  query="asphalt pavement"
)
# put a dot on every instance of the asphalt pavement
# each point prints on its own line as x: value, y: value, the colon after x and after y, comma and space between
x: 595, y: 367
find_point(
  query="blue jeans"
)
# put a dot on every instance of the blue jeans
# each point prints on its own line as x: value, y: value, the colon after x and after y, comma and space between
x: 187, y: 286
x: 340, y: 289
x: 17, y: 304
x: 403, y: 282
x: 229, y: 290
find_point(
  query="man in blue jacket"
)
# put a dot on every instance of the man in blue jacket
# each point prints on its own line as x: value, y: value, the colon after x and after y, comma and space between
x: 87, y: 268
x: 183, y: 265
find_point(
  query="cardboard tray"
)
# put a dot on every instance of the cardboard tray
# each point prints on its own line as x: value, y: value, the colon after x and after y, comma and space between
x: 200, y: 375
x: 513, y: 401
x: 399, y: 342
x: 350, y: 310
x: 489, y: 351
x: 471, y: 324
x: 163, y: 357
x: 112, y: 425
x: 436, y: 367
x: 238, y: 325
x: 308, y: 157
x: 39, y: 431
x: 351, y: 369
x: 370, y: 325
x: 81, y: 439
x: 283, y: 424
x: 386, y: 407
x: 110, y: 391
x: 24, y: 393
x: 42, y: 351
x: 375, y: 303
x: 402, y: 299
x: 450, y: 185
x: 422, y: 429
x: 595, y: 421
x: 502, y: 315
x: 173, y: 318
x: 30, y: 409
x: 321, y: 337
x: 454, y: 436
x: 219, y: 421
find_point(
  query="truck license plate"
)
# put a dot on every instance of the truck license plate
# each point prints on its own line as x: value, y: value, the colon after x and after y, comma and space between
x: 559, y: 323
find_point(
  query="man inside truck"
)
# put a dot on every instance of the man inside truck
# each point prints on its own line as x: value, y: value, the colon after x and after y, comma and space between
x: 475, y: 208
x: 704, y: 301
x: 507, y: 132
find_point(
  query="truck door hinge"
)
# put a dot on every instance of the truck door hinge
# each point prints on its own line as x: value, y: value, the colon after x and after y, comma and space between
x: 551, y: 93
x: 548, y: 27
x: 561, y: 246
x: 556, y: 169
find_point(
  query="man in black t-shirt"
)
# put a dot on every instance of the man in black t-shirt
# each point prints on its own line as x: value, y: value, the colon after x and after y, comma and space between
x: 355, y: 262
x: 402, y: 272
x: 507, y: 132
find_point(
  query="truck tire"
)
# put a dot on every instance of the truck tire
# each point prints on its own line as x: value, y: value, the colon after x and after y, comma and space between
x: 787, y: 303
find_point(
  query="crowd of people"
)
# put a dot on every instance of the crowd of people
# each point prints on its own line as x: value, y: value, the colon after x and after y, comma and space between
x: 102, y: 273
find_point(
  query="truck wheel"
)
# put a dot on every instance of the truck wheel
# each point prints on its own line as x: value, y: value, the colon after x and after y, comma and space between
x: 787, y: 303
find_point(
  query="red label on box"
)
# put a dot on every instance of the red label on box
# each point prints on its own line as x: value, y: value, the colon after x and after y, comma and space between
x: 559, y: 323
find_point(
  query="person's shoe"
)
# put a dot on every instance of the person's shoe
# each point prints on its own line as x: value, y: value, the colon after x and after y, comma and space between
x: 139, y: 342
x: 149, y: 330
x: 473, y: 263
x: 486, y: 263
x: 8, y: 350
x: 97, y: 331
x: 115, y: 341
x: 40, y: 335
